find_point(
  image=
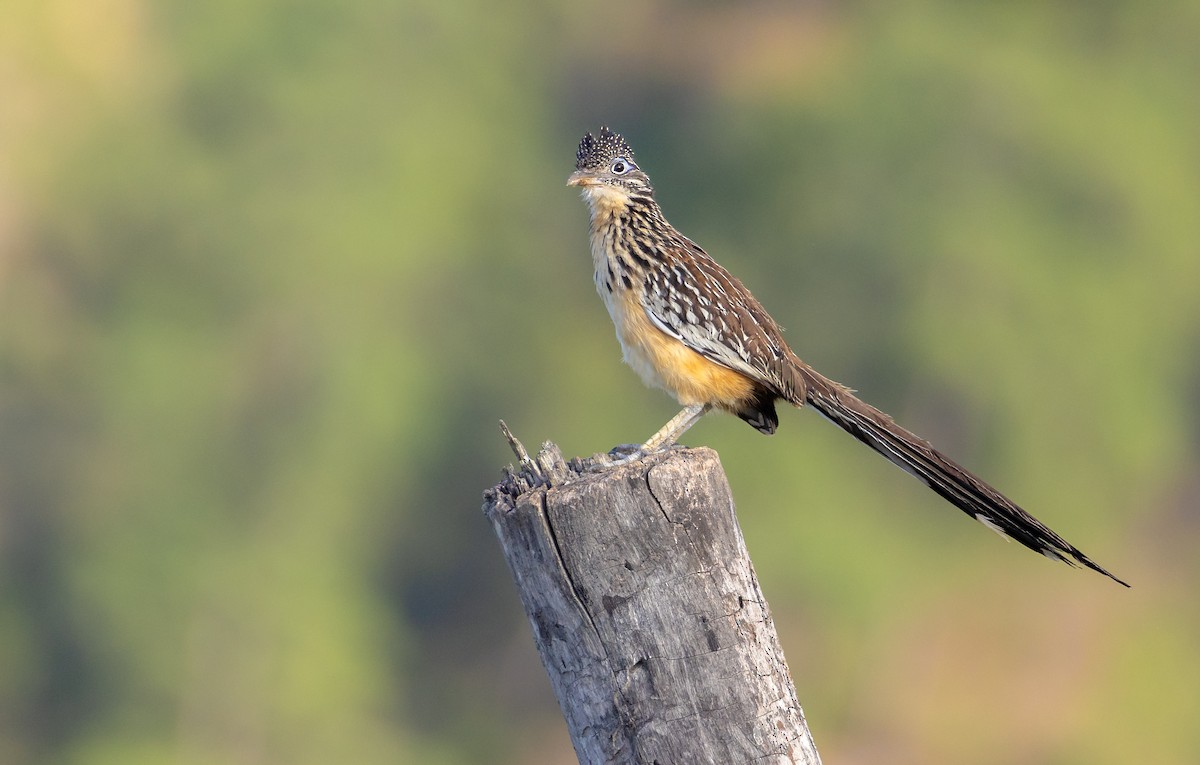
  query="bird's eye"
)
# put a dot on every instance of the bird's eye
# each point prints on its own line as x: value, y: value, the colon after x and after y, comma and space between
x: 620, y: 166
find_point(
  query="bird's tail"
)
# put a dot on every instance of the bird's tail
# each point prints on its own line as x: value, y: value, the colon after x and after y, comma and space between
x: 957, y: 484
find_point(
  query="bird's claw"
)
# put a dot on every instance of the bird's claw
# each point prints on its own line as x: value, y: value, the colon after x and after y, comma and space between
x: 625, y: 454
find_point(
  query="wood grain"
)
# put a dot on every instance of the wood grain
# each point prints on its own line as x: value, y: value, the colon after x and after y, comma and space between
x: 646, y: 610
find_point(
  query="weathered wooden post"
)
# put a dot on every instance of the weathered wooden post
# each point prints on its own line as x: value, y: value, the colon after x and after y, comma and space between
x: 646, y: 610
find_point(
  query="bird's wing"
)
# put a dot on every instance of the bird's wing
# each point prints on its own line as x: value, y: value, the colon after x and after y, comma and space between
x: 693, y: 299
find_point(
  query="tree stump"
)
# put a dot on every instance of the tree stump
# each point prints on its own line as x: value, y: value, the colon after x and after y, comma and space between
x: 646, y: 610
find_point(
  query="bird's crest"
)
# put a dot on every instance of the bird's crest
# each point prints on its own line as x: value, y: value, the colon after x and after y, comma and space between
x: 596, y: 151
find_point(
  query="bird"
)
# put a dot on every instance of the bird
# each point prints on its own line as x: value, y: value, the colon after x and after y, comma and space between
x: 688, y: 326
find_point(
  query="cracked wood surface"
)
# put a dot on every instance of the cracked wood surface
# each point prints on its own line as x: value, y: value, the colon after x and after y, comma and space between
x: 646, y: 610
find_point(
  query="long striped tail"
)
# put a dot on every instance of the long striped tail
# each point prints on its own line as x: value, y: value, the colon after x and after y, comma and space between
x: 955, y: 483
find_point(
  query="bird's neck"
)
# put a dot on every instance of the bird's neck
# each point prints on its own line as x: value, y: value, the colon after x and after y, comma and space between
x: 606, y: 206
x: 611, y: 207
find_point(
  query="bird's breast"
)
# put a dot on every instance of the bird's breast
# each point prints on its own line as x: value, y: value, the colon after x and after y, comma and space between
x: 663, y: 361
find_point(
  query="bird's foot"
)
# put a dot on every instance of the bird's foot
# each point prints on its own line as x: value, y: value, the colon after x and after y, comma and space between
x: 625, y: 454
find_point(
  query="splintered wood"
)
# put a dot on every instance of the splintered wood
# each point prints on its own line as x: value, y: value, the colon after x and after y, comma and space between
x: 646, y: 610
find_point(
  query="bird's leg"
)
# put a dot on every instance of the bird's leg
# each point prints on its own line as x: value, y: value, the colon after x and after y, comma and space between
x: 669, y: 433
x: 676, y: 427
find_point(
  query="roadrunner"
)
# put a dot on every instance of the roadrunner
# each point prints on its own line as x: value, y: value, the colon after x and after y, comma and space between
x: 688, y: 326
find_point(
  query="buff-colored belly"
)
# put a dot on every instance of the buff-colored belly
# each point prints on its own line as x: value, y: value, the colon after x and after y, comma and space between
x: 664, y: 362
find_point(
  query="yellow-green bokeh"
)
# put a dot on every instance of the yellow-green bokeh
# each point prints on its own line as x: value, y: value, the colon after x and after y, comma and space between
x: 270, y: 273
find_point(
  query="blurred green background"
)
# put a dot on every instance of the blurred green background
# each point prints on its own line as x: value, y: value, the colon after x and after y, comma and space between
x: 271, y: 271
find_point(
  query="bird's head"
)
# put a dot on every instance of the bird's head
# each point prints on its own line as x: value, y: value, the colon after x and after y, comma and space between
x: 604, y: 169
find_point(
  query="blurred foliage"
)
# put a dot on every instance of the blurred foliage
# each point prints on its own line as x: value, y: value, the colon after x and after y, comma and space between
x: 270, y: 272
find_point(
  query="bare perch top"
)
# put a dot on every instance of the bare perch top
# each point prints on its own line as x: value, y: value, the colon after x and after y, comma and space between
x: 689, y: 327
x: 646, y: 611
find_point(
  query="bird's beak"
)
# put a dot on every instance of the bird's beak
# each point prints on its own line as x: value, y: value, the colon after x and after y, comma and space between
x: 581, y: 178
